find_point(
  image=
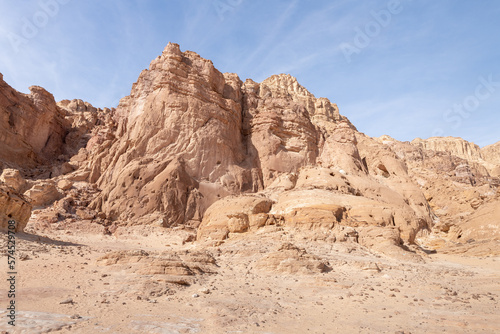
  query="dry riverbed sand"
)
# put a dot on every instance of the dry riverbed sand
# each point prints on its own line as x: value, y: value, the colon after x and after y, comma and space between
x: 273, y: 281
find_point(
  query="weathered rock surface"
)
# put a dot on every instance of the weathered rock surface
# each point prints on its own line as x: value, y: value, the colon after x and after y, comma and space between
x: 179, y: 268
x: 191, y: 146
x: 13, y: 207
x: 234, y: 215
x: 491, y: 154
x: 14, y: 179
x: 32, y: 128
x: 453, y: 145
x: 35, y: 131
x: 189, y: 135
x: 43, y: 193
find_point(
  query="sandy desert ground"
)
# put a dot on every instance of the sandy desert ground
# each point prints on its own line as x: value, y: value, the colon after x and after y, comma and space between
x: 66, y: 285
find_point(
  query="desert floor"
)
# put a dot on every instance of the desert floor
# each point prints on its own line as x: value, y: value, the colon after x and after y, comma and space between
x: 63, y: 287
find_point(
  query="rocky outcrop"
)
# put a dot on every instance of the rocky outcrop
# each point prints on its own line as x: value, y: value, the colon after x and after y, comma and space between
x: 32, y: 128
x: 491, y: 154
x: 462, y: 191
x: 14, y: 207
x: 38, y: 135
x: 453, y: 145
x: 235, y: 215
x: 188, y: 136
x: 43, y: 193
x: 180, y: 127
x: 290, y: 259
x: 191, y: 146
x: 14, y: 179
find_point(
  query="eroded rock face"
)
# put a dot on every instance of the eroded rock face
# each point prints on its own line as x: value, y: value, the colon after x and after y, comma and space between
x: 234, y: 215
x: 188, y: 136
x: 455, y: 146
x: 32, y: 129
x: 290, y: 259
x: 173, y: 267
x: 13, y: 207
x: 191, y: 146
x: 179, y: 126
x: 14, y: 179
x: 491, y: 154
x: 43, y: 193
x: 39, y: 135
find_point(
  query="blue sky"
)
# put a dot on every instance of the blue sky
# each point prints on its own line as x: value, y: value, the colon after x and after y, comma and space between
x: 403, y: 68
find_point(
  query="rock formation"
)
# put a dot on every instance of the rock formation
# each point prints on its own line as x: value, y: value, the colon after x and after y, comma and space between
x: 191, y: 146
x: 455, y: 146
x: 491, y: 154
x: 14, y: 207
x: 189, y: 135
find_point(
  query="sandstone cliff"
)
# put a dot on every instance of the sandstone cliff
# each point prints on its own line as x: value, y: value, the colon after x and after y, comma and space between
x: 32, y: 128
x: 191, y: 146
x: 455, y: 146
x: 189, y: 135
x: 491, y: 154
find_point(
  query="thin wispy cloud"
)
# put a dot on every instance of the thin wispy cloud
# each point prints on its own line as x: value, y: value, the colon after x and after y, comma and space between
x: 425, y: 60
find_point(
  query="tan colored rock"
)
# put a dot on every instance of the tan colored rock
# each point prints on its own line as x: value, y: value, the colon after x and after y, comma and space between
x: 289, y: 259
x: 32, y: 127
x: 174, y: 267
x: 491, y: 154
x: 325, y: 209
x: 64, y: 184
x: 43, y: 193
x: 191, y: 146
x: 13, y: 178
x: 233, y: 215
x: 456, y: 146
x: 232, y: 137
x: 13, y: 206
x: 483, y: 224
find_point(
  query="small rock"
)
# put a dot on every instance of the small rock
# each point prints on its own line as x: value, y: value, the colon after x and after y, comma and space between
x: 195, y: 295
x: 67, y: 301
x: 75, y: 316
x: 64, y: 184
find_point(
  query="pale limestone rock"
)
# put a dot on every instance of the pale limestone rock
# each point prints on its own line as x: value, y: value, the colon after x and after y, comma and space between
x: 179, y: 268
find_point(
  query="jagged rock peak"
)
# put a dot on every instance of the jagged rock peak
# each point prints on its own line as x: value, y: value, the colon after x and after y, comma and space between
x: 285, y: 84
x: 172, y: 48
